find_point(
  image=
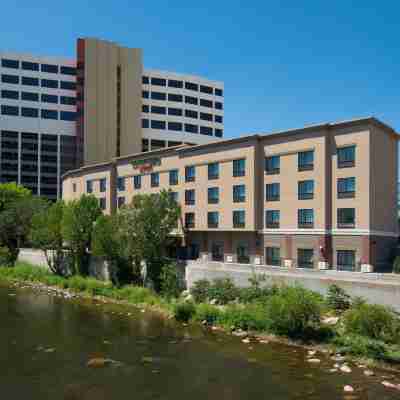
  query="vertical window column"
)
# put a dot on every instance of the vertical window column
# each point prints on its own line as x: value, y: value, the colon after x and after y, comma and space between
x: 118, y: 110
x: 58, y: 167
x: 19, y: 157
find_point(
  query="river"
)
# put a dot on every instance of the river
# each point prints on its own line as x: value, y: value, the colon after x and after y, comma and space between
x: 46, y: 342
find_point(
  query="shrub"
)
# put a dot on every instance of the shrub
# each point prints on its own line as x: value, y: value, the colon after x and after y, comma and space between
x: 337, y: 299
x: 246, y: 317
x: 6, y: 259
x: 373, y: 321
x: 207, y: 312
x: 171, y: 282
x: 200, y: 290
x: 184, y: 311
x: 396, y: 265
x: 361, y: 346
x: 223, y: 290
x: 294, y: 311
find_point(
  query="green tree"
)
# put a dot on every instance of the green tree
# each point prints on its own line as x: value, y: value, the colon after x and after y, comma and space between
x: 147, y: 224
x: 108, y: 242
x: 10, y: 193
x: 15, y: 224
x: 77, y: 226
x: 46, y: 234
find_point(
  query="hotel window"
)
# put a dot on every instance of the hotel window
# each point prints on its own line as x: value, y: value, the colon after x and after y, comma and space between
x: 49, y: 114
x: 190, y: 197
x: 9, y: 110
x: 346, y: 218
x: 190, y: 173
x: 305, y: 258
x: 14, y: 79
x: 213, y: 171
x: 121, y: 201
x: 145, y: 124
x: 218, y: 118
x: 137, y: 181
x: 189, y: 220
x: 89, y: 186
x: 74, y: 187
x: 346, y: 260
x: 103, y: 203
x: 346, y: 187
x: 52, y: 69
x: 191, y: 114
x: 239, y: 167
x: 145, y: 80
x: 206, y: 103
x: 206, y: 130
x: 212, y: 219
x: 103, y: 184
x: 158, y: 110
x: 346, y: 156
x: 206, y: 116
x: 145, y: 94
x: 239, y: 218
x: 173, y: 177
x: 10, y: 94
x: 272, y: 219
x: 191, y: 100
x: 305, y: 160
x: 218, y: 132
x: 155, y: 179
x: 28, y: 81
x: 5, y: 63
x: 67, y: 85
x: 174, y: 83
x: 49, y: 83
x: 239, y: 193
x: 69, y: 101
x: 49, y: 98
x: 157, y: 124
x: 30, y: 66
x: 219, y: 92
x: 68, y: 70
x: 191, y: 86
x: 217, y: 251
x: 175, y: 126
x: 206, y: 89
x: 67, y: 116
x: 305, y: 218
x: 158, y: 96
x: 190, y: 128
x: 175, y: 111
x: 121, y: 183
x: 173, y: 196
x: 272, y: 165
x: 145, y: 143
x: 158, y: 81
x: 178, y: 98
x: 272, y: 192
x: 273, y: 256
x: 157, y: 144
x: 29, y: 112
x: 305, y: 190
x: 213, y: 195
x: 29, y: 96
x: 218, y: 105
x: 145, y: 108
x: 242, y: 251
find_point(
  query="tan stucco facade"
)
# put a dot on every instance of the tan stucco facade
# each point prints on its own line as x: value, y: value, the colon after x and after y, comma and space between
x: 111, y: 92
x: 367, y: 241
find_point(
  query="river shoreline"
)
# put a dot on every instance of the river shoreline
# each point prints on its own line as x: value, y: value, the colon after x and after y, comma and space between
x: 314, y: 351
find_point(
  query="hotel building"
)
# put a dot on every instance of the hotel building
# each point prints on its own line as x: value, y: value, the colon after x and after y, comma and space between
x: 323, y: 196
x: 58, y: 114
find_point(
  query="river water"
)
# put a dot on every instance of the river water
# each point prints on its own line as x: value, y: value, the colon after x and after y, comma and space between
x: 46, y: 342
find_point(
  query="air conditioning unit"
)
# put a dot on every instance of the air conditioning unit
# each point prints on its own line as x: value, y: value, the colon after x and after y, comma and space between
x: 366, y: 268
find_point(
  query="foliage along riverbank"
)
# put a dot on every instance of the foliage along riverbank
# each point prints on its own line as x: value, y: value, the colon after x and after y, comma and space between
x: 342, y: 328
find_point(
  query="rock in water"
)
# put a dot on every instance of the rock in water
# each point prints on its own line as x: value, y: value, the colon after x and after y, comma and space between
x: 348, y: 389
x: 390, y: 385
x: 345, y: 368
x: 314, y: 360
x: 368, y: 372
x: 102, y: 362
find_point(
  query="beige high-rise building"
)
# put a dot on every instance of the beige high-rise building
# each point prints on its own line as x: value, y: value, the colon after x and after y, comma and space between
x: 323, y: 196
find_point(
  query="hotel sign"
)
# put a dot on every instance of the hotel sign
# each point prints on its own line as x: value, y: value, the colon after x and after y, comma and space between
x: 147, y: 164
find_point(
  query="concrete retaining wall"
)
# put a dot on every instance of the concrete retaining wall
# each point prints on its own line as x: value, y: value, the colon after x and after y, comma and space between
x: 375, y: 288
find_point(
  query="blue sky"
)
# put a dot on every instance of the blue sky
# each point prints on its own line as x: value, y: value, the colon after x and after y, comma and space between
x: 285, y: 64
